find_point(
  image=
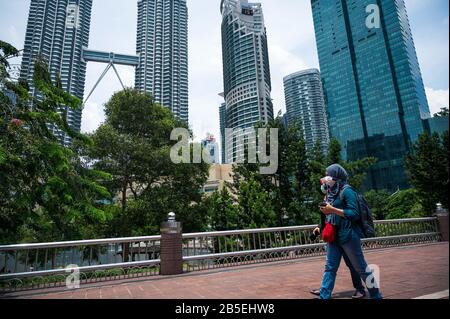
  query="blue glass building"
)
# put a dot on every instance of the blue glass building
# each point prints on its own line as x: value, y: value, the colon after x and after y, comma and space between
x: 373, y: 86
x: 438, y: 124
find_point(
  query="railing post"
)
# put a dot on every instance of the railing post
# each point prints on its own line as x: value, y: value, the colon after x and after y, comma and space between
x: 442, y: 217
x: 171, y: 247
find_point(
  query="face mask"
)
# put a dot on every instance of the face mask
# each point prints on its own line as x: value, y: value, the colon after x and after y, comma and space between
x: 327, y: 180
x: 324, y: 188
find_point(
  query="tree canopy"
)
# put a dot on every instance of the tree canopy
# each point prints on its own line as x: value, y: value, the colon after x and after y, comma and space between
x: 47, y: 192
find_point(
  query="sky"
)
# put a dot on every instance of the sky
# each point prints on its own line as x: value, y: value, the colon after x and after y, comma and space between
x: 291, y: 42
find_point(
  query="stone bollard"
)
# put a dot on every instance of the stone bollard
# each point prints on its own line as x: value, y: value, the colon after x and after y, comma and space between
x: 442, y: 217
x: 171, y: 247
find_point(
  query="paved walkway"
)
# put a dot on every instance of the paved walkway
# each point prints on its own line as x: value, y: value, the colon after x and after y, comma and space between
x: 406, y: 272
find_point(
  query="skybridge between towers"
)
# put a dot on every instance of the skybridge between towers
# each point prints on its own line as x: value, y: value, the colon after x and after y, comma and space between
x: 110, y: 59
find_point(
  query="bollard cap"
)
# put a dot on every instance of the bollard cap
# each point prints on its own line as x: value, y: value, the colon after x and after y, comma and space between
x: 171, y: 217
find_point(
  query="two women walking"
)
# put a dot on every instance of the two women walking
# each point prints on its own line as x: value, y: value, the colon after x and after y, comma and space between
x: 343, y: 233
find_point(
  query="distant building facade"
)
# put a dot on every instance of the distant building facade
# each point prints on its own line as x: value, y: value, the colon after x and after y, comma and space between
x: 373, y: 87
x: 162, y: 44
x: 246, y: 71
x: 218, y: 176
x: 305, y: 105
x: 58, y: 30
x: 438, y: 124
x: 212, y: 147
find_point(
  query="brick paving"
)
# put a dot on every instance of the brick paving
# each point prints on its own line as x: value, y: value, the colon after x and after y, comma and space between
x: 406, y: 272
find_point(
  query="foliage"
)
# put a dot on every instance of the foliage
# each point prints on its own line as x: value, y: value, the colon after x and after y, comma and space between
x: 294, y: 189
x: 133, y: 145
x: 47, y: 191
x: 222, y: 211
x: 442, y: 113
x: 378, y: 201
x: 404, y: 204
x: 256, y: 205
x: 428, y: 171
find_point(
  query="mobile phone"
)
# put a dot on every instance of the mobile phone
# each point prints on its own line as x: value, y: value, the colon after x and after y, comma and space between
x: 323, y: 204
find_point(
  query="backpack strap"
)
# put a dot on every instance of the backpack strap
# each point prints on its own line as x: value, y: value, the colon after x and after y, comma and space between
x: 341, y: 194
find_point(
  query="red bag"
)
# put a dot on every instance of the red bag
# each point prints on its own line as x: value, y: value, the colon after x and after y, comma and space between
x: 329, y: 233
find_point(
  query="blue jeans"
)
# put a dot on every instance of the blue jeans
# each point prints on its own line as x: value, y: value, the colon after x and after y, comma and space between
x: 353, y: 250
x: 356, y: 279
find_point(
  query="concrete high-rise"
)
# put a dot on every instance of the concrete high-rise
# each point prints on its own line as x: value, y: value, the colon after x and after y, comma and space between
x: 58, y: 30
x: 305, y: 105
x: 372, y: 82
x: 246, y: 71
x: 162, y: 44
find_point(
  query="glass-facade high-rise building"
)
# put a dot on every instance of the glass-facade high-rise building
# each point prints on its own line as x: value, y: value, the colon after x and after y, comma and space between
x: 246, y: 72
x: 58, y: 30
x: 372, y: 82
x: 222, y: 116
x: 305, y: 105
x: 212, y: 148
x: 162, y: 44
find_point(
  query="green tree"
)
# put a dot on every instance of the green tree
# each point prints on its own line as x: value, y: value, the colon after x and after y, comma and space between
x: 256, y: 205
x: 378, y: 201
x: 47, y: 192
x: 222, y: 211
x: 442, y: 113
x: 133, y: 145
x: 427, y: 169
x: 404, y: 204
x: 334, y: 152
x: 288, y: 187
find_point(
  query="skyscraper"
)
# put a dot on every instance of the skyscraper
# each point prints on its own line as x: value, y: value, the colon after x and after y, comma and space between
x: 212, y: 147
x: 222, y: 116
x: 305, y: 105
x: 57, y: 30
x: 373, y: 86
x: 162, y: 44
x: 246, y: 72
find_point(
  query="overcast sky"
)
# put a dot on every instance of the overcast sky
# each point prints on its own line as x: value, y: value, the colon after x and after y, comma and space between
x: 291, y: 41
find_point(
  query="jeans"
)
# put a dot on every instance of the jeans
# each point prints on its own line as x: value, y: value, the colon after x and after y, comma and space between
x: 355, y: 256
x: 356, y: 279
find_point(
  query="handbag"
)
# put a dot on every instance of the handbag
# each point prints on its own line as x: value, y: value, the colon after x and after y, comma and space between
x: 329, y: 232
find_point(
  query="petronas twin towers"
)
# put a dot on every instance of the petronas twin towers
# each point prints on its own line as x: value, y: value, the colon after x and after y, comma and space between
x: 58, y: 30
x: 162, y: 44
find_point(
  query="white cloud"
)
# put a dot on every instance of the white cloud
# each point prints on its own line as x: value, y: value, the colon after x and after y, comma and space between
x: 93, y: 116
x: 437, y: 99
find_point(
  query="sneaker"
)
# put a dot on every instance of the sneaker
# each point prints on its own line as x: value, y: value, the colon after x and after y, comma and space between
x: 315, y: 292
x: 359, y: 294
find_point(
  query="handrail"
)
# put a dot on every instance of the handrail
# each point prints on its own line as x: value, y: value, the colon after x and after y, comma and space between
x: 185, y: 236
x: 77, y: 243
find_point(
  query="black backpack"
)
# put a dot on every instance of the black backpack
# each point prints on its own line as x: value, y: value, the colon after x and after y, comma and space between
x: 366, y: 219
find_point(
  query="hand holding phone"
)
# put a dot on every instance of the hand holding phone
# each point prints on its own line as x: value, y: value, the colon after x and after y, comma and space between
x: 323, y: 204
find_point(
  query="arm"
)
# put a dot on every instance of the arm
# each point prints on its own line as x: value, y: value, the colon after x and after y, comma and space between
x: 350, y: 211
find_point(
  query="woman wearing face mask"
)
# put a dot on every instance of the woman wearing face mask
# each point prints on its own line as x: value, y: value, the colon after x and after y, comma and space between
x: 343, y: 215
x: 360, y: 292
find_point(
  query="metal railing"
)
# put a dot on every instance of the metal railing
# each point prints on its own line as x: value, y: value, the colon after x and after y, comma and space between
x: 25, y: 266
x: 48, y: 264
x: 230, y: 248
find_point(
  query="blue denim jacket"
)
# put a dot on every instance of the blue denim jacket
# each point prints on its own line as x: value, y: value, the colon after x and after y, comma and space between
x: 345, y: 225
